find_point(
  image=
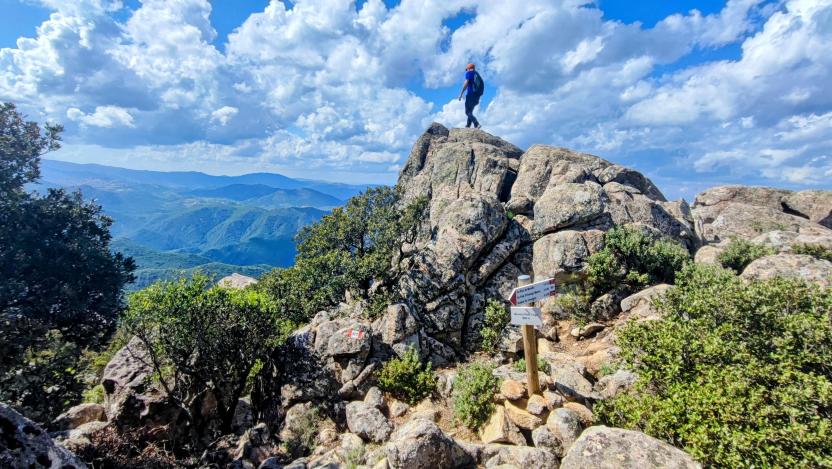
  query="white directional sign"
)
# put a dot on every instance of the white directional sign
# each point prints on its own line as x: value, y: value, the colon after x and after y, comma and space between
x: 532, y: 292
x: 525, y: 316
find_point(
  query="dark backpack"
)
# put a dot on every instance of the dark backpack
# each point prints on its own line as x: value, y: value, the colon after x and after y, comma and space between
x: 478, y: 86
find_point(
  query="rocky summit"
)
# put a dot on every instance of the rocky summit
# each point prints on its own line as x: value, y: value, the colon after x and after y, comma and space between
x: 494, y: 212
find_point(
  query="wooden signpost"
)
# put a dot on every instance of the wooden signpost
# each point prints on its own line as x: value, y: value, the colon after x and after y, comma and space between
x: 527, y: 317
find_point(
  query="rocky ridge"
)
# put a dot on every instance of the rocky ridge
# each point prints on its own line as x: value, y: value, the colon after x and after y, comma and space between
x: 495, y: 212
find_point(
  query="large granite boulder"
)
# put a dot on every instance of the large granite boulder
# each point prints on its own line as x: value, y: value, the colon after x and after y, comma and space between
x: 420, y: 443
x: 814, y: 205
x: 495, y: 455
x: 368, y: 422
x: 746, y: 212
x: 798, y: 266
x: 24, y: 444
x: 131, y: 400
x: 78, y: 415
x: 603, y: 447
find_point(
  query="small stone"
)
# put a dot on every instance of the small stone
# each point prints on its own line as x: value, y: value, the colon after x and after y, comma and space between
x: 575, y: 332
x: 590, y: 330
x: 553, y: 399
x: 520, y: 416
x: 586, y: 416
x: 512, y: 390
x: 619, y: 382
x: 374, y: 398
x: 500, y: 429
x: 543, y: 438
x: 537, y: 405
x: 398, y: 408
x: 367, y: 422
x: 569, y: 381
x: 426, y: 410
x: 544, y: 346
x: 564, y: 426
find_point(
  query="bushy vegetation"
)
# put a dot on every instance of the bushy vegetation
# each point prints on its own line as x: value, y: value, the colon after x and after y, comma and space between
x: 542, y: 365
x: 302, y: 434
x: 739, y: 253
x: 473, y: 394
x: 633, y: 259
x: 202, y: 338
x: 818, y: 251
x: 496, y: 319
x: 736, y: 373
x: 576, y: 304
x: 350, y: 249
x: 60, y: 285
x: 407, y: 378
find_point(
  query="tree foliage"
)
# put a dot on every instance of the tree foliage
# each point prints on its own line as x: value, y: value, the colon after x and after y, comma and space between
x: 352, y: 249
x: 204, y: 339
x: 60, y: 285
x: 739, y: 374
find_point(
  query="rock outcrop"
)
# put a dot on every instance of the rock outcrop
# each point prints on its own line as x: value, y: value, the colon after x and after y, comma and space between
x: 496, y: 212
x: 24, y: 444
x: 790, y: 266
x: 746, y: 212
x: 613, y: 448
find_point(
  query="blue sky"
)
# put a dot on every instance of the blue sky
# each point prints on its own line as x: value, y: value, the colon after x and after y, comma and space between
x: 692, y: 93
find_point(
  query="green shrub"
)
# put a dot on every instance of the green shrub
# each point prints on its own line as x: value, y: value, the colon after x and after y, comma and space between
x: 406, y: 377
x: 496, y: 319
x: 203, y: 338
x: 473, y: 394
x: 542, y: 365
x: 94, y: 395
x: 739, y: 253
x: 736, y: 373
x: 575, y: 303
x: 817, y: 251
x: 633, y: 259
x: 302, y: 434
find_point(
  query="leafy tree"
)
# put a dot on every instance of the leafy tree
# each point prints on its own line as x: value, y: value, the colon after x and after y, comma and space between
x: 202, y: 339
x: 739, y: 253
x: 352, y: 249
x: 22, y: 143
x: 736, y: 373
x: 60, y: 285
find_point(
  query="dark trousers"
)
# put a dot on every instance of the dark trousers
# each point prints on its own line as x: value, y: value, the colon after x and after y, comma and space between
x: 471, y: 100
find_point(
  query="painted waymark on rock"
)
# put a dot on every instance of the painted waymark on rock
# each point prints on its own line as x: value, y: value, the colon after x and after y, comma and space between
x: 532, y: 292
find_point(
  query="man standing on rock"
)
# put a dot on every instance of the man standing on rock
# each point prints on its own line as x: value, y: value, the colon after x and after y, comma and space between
x: 475, y: 86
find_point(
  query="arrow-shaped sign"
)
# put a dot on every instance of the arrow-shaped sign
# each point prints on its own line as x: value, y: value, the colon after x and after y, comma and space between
x: 533, y: 292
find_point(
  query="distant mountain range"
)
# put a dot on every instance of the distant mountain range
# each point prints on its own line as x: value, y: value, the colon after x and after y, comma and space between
x: 178, y: 222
